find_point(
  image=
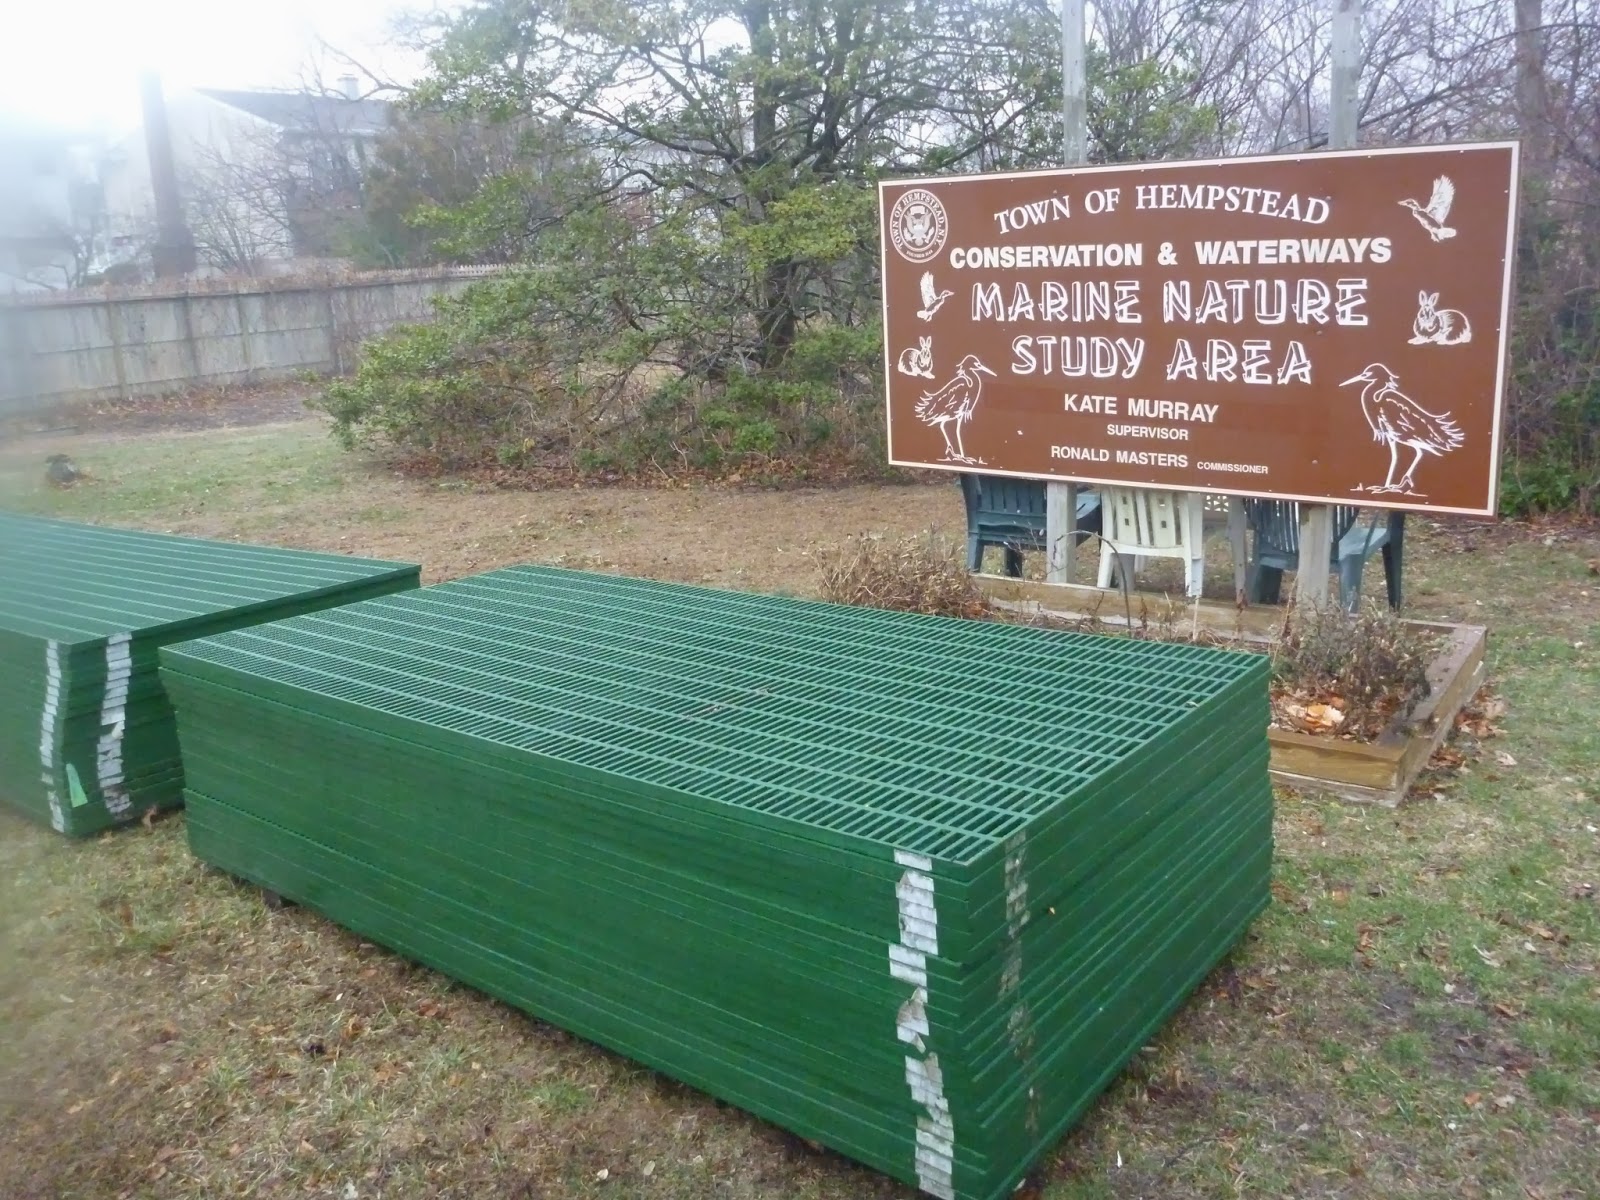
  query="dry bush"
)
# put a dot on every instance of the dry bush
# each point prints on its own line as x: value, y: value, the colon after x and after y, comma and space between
x: 1371, y: 660
x: 918, y: 574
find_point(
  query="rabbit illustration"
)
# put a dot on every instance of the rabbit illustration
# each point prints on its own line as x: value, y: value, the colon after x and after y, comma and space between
x: 917, y: 360
x: 1441, y: 326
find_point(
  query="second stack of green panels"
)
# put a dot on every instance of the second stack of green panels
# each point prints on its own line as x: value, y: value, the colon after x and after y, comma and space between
x: 912, y: 887
x: 86, y: 733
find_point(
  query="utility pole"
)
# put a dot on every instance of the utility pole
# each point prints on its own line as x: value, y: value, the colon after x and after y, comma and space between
x: 1061, y: 499
x: 1316, y: 520
x: 1533, y: 116
x: 1074, y: 85
x: 174, y: 249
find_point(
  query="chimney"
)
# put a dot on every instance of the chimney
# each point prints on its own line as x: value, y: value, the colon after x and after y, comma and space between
x: 350, y: 87
x: 174, y: 253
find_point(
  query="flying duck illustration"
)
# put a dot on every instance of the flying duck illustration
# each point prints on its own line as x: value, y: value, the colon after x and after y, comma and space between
x: 1398, y: 420
x: 932, y: 300
x: 1436, y: 212
x: 953, y: 404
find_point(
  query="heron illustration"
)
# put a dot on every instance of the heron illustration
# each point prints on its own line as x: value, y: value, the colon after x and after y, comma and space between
x: 1436, y: 212
x: 953, y: 404
x: 1399, y: 420
x: 932, y: 299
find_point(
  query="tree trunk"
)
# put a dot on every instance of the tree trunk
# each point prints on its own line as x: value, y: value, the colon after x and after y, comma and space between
x: 777, y: 318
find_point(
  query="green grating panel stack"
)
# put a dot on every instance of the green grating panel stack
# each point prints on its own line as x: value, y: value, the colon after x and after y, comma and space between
x: 915, y: 888
x: 87, y: 737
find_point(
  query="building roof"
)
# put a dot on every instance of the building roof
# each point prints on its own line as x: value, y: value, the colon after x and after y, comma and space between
x: 306, y: 112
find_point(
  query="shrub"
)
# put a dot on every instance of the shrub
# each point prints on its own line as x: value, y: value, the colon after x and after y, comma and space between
x: 919, y: 575
x: 1374, y: 661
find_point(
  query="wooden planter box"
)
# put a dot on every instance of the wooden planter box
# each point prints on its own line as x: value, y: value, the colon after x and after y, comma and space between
x: 1382, y: 771
x: 1375, y: 772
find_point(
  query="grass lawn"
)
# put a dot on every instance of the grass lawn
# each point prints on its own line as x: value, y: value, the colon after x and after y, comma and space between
x: 1417, y: 1015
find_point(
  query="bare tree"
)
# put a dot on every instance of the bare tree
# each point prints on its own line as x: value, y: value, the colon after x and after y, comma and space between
x: 235, y: 211
x: 278, y: 191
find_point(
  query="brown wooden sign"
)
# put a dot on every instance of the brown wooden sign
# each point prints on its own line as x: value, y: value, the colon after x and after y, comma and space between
x: 1326, y: 327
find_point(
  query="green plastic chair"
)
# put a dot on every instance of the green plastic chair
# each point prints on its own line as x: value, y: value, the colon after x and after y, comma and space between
x: 1276, y: 549
x: 1010, y: 513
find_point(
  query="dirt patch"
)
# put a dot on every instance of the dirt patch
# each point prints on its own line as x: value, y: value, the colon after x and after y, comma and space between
x: 1473, y: 535
x: 729, y: 538
x: 289, y: 485
x: 193, y: 409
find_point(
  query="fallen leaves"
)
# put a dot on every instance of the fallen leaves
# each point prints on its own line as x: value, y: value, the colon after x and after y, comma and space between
x: 1315, y: 718
x: 1583, y: 891
x: 1315, y: 714
x: 158, y: 1168
x: 1504, y: 759
x: 1364, y: 939
x: 1488, y: 958
x: 1479, y: 715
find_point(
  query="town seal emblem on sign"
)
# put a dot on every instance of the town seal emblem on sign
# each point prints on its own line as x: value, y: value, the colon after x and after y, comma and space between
x: 918, y: 225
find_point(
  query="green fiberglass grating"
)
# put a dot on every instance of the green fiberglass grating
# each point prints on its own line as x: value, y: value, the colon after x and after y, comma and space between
x: 86, y: 734
x: 915, y: 888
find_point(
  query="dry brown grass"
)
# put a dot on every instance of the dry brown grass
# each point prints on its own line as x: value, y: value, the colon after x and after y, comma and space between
x: 911, y: 574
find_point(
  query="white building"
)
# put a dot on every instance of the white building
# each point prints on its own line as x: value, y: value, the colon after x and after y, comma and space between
x: 51, y: 216
x: 265, y: 178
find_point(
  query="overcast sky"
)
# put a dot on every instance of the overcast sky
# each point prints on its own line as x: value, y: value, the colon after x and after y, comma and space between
x: 77, y: 62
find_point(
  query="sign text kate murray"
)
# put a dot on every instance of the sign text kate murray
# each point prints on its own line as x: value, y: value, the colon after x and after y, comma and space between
x: 1326, y: 327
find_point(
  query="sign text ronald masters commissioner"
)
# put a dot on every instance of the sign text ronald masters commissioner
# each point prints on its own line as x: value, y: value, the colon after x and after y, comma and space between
x: 1327, y: 327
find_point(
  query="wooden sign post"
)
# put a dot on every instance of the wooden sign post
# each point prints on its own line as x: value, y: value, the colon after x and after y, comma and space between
x: 1061, y: 499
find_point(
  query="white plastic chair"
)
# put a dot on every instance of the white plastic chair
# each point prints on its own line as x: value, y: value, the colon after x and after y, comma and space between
x: 1138, y: 523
